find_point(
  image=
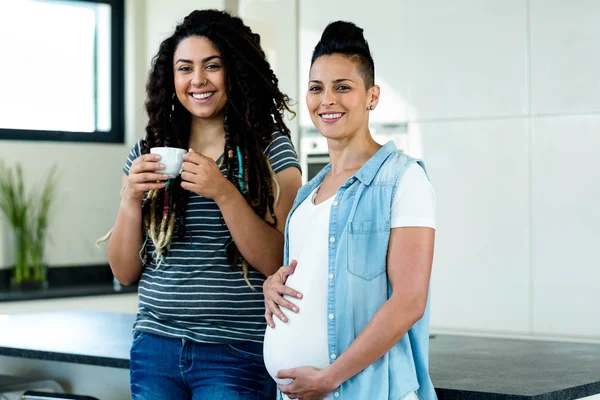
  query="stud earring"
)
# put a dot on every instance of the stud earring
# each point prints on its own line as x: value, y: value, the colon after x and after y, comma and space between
x: 172, y: 107
x: 372, y: 107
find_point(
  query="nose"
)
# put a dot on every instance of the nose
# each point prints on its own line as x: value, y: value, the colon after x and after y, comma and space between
x: 328, y: 99
x: 198, y: 78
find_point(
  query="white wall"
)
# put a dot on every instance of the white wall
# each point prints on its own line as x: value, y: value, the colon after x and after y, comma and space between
x: 505, y: 102
x: 277, y: 25
x: 565, y: 170
x: 502, y: 99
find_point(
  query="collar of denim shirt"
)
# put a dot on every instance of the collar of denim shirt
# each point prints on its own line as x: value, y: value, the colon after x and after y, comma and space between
x: 365, y: 174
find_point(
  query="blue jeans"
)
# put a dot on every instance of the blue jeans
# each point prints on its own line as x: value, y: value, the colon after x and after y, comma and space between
x: 178, y: 369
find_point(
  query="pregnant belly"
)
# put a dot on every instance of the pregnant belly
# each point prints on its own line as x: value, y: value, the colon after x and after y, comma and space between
x: 300, y: 342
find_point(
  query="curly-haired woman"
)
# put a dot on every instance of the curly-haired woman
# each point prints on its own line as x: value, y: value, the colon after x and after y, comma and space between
x: 202, y: 244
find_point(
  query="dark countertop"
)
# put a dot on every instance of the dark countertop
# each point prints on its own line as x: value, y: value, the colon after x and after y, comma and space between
x: 477, y: 368
x: 67, y: 281
x: 461, y: 367
x: 66, y: 291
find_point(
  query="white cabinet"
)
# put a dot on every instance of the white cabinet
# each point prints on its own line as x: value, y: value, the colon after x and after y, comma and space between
x: 565, y: 56
x: 566, y: 226
x: 383, y: 24
x: 466, y: 59
x: 479, y: 171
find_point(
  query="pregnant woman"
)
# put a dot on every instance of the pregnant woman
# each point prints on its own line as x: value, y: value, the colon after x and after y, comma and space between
x: 354, y: 322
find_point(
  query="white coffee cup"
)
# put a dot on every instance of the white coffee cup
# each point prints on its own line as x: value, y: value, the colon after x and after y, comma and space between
x: 172, y: 158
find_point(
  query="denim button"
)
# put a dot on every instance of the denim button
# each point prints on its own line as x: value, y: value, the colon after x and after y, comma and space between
x: 332, y: 239
x: 336, y: 394
x: 333, y: 356
x: 331, y: 316
x: 330, y: 276
x: 335, y: 203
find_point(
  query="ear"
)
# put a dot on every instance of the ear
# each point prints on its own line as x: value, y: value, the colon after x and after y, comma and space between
x: 373, y: 96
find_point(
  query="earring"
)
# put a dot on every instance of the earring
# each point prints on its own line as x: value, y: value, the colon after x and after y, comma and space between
x: 172, y: 107
x: 372, y: 107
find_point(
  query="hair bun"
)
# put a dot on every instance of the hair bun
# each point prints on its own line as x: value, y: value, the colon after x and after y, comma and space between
x: 346, y: 37
x: 343, y: 37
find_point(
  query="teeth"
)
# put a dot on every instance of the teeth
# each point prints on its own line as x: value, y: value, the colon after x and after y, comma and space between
x: 332, y: 116
x: 201, y: 96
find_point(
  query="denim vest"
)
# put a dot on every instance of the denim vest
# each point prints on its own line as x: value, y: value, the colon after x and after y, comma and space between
x: 359, y: 232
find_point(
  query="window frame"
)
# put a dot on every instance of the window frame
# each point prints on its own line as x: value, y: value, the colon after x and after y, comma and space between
x: 117, y: 97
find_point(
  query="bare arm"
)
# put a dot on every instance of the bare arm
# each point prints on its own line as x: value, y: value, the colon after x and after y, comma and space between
x: 410, y: 256
x: 125, y: 241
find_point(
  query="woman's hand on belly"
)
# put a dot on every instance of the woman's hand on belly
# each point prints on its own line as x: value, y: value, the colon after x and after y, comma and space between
x: 308, y: 383
x: 274, y: 289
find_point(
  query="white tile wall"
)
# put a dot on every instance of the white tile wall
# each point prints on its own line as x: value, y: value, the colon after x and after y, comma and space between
x: 565, y: 56
x: 479, y: 171
x: 566, y: 225
x: 467, y: 59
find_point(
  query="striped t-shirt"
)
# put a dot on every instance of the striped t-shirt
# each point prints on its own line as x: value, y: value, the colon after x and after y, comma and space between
x: 194, y: 293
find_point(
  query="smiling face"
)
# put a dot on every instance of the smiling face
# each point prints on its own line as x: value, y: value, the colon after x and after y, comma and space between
x: 199, y: 77
x: 337, y: 100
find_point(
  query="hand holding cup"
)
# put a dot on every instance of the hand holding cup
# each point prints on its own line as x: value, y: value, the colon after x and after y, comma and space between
x: 145, y: 174
x: 171, y: 158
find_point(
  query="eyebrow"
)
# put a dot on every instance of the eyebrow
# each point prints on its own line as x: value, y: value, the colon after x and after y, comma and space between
x: 335, y: 81
x: 204, y: 60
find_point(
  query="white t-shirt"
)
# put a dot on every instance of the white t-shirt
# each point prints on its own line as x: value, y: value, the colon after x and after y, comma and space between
x: 302, y: 341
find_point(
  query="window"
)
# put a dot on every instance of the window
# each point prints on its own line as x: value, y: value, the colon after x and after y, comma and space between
x: 62, y: 70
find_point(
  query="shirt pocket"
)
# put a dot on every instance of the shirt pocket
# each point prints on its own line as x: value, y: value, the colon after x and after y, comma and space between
x: 367, y: 248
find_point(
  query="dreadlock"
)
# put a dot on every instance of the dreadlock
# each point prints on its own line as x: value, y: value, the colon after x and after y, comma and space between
x: 254, y: 110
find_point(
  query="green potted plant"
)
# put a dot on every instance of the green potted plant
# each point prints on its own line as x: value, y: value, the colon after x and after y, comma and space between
x: 28, y: 216
x: 39, y: 225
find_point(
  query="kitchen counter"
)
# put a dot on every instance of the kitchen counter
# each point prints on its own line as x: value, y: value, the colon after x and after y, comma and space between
x: 477, y: 368
x: 461, y: 367
x: 82, y: 337
x: 64, y: 282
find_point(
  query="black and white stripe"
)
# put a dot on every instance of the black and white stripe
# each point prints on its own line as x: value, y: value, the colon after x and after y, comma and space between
x: 194, y: 294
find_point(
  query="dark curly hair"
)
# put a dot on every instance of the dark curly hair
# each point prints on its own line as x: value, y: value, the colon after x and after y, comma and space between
x: 254, y: 110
